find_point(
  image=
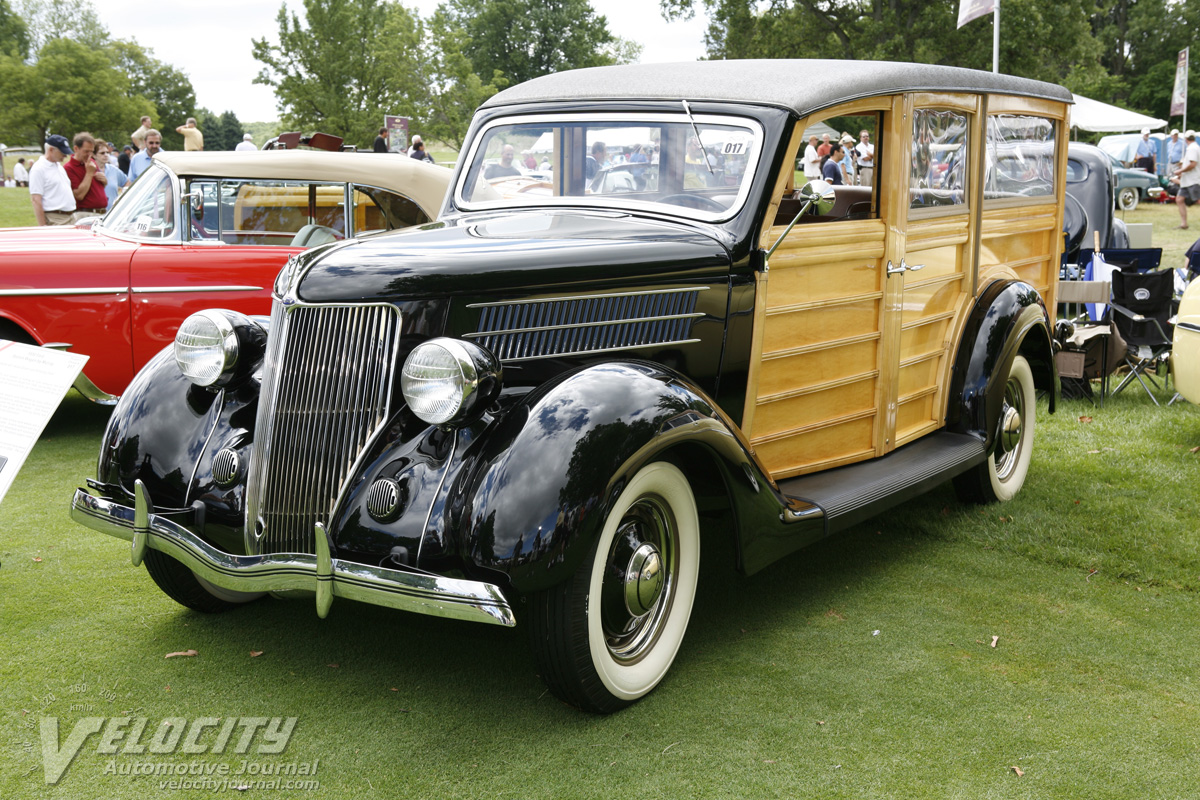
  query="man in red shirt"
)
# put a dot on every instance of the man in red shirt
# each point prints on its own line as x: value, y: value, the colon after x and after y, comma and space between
x: 87, y: 178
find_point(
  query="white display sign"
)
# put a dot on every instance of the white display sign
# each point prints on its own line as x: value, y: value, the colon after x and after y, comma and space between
x: 33, y: 381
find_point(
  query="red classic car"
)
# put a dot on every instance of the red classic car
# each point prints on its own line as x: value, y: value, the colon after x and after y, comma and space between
x: 117, y: 291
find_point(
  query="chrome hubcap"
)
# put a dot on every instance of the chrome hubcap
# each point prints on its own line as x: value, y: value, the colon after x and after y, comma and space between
x: 639, y: 579
x: 643, y: 580
x: 1012, y: 430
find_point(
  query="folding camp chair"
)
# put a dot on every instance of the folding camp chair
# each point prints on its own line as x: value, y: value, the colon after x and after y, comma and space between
x: 1141, y: 306
x: 1085, y: 356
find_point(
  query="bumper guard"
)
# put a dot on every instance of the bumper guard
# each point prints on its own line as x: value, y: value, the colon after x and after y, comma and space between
x: 329, y: 577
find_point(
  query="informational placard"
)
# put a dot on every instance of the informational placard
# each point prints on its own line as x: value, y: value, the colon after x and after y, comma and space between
x: 397, y: 128
x: 33, y: 381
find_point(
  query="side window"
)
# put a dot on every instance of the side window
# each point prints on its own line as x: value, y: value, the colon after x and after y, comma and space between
x: 842, y: 151
x: 1020, y: 157
x: 278, y: 212
x: 938, y: 167
x: 381, y: 210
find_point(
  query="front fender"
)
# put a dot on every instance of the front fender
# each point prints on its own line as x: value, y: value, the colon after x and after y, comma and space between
x: 1008, y: 320
x: 164, y: 431
x: 543, y: 482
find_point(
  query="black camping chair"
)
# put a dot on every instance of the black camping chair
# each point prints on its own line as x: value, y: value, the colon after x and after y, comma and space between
x: 1141, y: 305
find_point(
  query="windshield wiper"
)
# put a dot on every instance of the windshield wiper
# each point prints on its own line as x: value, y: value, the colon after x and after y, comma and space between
x: 696, y: 130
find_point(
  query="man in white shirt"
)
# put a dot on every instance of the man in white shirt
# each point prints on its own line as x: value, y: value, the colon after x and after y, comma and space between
x: 866, y: 159
x: 1189, y: 178
x: 49, y: 187
x: 138, y: 137
x: 20, y: 173
x: 246, y: 144
x: 812, y: 160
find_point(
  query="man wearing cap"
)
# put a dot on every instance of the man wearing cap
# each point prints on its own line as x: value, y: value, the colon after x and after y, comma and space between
x: 141, y: 162
x: 49, y: 186
x: 246, y: 144
x: 88, y: 180
x: 1174, y: 152
x: 849, y: 172
x: 1146, y: 151
x: 1189, y: 178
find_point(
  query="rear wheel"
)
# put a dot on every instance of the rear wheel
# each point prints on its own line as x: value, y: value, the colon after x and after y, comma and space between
x: 1003, y: 474
x: 608, y: 635
x: 181, y: 585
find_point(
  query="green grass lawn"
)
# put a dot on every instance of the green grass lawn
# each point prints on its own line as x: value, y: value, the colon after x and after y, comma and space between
x: 15, y: 208
x: 861, y: 667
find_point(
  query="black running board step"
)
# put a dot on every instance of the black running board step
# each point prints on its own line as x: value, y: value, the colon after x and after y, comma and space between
x: 849, y: 495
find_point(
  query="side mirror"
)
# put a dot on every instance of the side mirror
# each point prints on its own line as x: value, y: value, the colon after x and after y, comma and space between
x: 819, y: 197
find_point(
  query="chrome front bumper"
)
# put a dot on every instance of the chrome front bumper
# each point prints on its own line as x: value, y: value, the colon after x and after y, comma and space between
x: 328, y: 577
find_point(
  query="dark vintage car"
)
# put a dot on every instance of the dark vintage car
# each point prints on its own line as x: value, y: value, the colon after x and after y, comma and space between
x: 545, y: 407
x: 1091, y: 188
x: 195, y: 230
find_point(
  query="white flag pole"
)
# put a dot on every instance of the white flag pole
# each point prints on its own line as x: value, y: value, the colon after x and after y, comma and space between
x: 996, y: 38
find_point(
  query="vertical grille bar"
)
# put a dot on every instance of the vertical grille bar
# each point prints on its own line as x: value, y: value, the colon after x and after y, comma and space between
x: 326, y: 392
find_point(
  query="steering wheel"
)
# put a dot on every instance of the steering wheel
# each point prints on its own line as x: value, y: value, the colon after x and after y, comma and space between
x: 696, y: 201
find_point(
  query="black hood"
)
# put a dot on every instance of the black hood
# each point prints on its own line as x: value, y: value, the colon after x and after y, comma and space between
x: 516, y: 250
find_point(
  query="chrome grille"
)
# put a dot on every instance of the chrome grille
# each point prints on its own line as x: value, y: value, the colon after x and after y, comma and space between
x: 530, y: 329
x: 326, y: 392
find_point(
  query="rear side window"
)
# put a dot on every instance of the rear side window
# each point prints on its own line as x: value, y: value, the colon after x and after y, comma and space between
x: 1021, y: 157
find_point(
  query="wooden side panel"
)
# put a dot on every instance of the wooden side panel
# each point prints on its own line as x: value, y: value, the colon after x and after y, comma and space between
x: 816, y: 400
x: 1022, y: 242
x: 935, y: 297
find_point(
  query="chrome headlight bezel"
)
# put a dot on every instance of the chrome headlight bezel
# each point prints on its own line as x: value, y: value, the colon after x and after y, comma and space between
x: 469, y: 380
x: 235, y: 347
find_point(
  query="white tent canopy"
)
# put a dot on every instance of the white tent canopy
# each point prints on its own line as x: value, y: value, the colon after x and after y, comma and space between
x: 1092, y: 115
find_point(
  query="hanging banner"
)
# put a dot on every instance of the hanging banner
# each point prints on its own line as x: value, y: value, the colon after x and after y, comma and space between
x: 1179, y: 94
x: 974, y: 9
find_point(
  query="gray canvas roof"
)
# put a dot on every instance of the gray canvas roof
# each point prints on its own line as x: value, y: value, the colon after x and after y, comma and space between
x: 801, y: 86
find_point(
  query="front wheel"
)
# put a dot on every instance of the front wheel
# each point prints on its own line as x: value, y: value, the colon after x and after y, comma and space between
x: 188, y: 589
x: 1003, y: 474
x: 1127, y: 199
x: 607, y: 636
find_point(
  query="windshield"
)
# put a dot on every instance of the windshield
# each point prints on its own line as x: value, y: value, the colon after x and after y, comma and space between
x: 619, y: 161
x: 147, y: 209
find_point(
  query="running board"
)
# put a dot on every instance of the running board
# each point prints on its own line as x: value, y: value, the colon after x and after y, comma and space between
x: 849, y: 495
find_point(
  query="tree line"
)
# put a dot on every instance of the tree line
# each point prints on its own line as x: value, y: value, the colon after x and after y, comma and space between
x: 1117, y: 51
x: 62, y: 72
x: 339, y: 65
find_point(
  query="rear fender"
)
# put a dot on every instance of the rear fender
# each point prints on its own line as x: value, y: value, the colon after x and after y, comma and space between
x: 1008, y: 320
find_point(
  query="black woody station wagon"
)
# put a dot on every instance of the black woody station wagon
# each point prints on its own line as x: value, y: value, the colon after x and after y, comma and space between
x: 659, y: 335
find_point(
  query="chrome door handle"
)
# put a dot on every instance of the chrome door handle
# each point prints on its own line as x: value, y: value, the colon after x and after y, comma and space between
x: 894, y: 270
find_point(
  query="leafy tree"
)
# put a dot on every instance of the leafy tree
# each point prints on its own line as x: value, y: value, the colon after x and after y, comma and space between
x: 71, y: 87
x: 163, y: 92
x: 221, y: 132
x: 1039, y: 40
x: 68, y: 19
x: 522, y: 39
x: 328, y: 71
x: 14, y: 36
x: 454, y: 88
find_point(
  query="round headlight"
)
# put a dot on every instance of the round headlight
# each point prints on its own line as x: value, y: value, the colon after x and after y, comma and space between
x: 447, y: 380
x: 206, y: 348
